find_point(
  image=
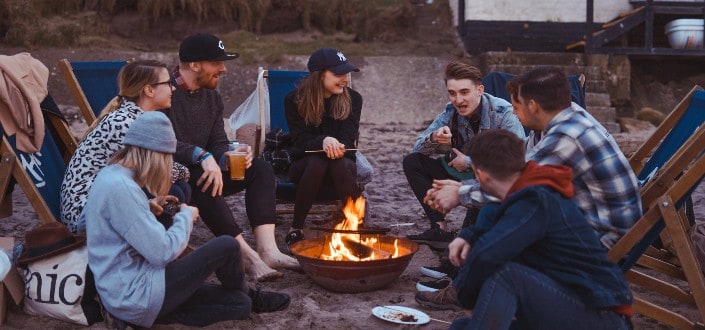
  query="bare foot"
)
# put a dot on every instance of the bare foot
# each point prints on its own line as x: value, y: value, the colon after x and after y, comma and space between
x: 254, y: 266
x: 259, y: 271
x: 278, y: 260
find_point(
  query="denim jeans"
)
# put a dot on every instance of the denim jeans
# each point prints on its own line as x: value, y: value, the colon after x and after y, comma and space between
x: 189, y: 301
x: 537, y: 302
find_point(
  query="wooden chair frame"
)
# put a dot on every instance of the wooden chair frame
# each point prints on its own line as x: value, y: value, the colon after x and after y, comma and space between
x: 662, y: 196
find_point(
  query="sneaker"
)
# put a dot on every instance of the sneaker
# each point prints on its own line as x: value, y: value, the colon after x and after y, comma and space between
x: 433, y: 286
x: 435, y: 237
x: 443, y: 299
x: 267, y: 301
x: 445, y: 269
x: 293, y: 237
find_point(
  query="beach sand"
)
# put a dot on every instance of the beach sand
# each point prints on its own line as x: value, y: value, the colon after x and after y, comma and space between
x: 391, y: 202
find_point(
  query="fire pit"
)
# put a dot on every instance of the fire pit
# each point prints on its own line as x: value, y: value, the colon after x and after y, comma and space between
x: 350, y: 258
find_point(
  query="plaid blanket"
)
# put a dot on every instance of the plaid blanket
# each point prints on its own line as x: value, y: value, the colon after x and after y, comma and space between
x: 275, y: 151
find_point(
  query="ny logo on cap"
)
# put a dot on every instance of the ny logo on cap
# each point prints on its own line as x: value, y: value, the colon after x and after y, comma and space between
x: 220, y: 44
x: 341, y: 57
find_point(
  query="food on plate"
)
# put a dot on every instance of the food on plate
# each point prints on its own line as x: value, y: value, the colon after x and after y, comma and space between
x: 404, y: 317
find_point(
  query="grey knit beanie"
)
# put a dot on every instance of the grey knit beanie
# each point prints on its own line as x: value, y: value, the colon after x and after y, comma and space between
x: 152, y: 130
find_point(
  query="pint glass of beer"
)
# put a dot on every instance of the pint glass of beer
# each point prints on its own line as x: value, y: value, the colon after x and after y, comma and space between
x: 237, y: 153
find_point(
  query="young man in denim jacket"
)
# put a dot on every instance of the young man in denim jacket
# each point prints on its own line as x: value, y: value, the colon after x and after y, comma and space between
x: 532, y: 259
x: 469, y: 112
x: 606, y: 188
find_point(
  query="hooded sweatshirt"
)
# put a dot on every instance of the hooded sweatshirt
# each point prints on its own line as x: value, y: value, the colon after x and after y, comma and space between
x: 539, y: 226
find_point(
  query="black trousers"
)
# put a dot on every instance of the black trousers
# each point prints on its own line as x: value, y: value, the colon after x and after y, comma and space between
x: 315, y: 171
x: 260, y: 199
x: 420, y: 171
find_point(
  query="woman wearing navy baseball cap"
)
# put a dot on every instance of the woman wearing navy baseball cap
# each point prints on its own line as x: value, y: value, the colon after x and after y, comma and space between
x: 323, y: 113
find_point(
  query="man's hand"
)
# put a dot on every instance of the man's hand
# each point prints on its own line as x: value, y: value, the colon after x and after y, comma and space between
x: 443, y: 195
x: 156, y: 203
x: 248, y: 158
x: 212, y: 177
x: 333, y: 148
x: 458, y: 251
x: 458, y: 163
x: 441, y: 135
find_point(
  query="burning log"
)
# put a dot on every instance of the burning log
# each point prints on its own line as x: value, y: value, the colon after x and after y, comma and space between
x: 364, y: 251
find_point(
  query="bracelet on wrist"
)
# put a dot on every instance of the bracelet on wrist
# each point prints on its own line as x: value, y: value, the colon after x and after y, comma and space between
x: 203, y: 152
x: 204, y: 156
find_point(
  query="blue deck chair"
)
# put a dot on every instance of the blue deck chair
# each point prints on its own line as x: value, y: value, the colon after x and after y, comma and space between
x: 92, y: 84
x: 496, y: 81
x: 669, y: 166
x: 39, y: 174
x: 281, y: 83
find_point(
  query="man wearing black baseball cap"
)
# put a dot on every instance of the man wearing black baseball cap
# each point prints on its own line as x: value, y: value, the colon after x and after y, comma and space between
x: 197, y: 116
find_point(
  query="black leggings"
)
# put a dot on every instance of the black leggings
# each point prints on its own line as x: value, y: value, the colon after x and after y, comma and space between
x: 313, y: 172
x: 260, y: 199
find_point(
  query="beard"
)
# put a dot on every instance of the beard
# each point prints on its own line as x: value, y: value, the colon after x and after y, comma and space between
x: 204, y: 80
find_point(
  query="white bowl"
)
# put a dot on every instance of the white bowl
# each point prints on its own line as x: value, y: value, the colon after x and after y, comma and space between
x: 685, y: 33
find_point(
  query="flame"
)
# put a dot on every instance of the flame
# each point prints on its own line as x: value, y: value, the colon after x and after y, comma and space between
x: 347, y: 247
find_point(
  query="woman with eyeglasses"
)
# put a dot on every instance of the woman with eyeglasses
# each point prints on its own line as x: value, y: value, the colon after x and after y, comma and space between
x: 144, y: 86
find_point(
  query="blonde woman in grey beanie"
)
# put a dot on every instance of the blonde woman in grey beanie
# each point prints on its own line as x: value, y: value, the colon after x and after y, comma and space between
x: 134, y: 258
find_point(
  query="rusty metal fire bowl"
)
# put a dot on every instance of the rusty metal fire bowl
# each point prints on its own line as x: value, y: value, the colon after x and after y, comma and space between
x: 353, y: 276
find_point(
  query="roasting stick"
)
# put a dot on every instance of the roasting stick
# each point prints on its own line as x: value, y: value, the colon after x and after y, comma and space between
x: 361, y: 149
x: 396, y: 310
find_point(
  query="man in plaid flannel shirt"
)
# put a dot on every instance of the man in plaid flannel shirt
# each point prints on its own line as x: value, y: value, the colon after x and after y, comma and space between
x: 606, y: 188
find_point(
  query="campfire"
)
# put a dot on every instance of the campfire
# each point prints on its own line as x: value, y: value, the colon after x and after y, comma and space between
x: 351, y: 257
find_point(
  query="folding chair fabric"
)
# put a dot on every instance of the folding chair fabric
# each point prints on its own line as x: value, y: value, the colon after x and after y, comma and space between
x: 39, y: 174
x: 93, y: 84
x: 496, y: 81
x: 689, y: 121
x: 280, y: 84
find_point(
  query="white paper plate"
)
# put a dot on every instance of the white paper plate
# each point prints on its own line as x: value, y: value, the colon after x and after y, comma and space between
x: 397, y: 313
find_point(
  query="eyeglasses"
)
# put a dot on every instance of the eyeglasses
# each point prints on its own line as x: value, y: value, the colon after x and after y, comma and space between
x: 160, y: 83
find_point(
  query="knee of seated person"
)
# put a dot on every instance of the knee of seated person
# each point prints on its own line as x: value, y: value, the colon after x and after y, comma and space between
x: 342, y: 164
x: 227, y: 243
x: 181, y: 190
x: 412, y: 160
x: 261, y: 167
x: 317, y: 163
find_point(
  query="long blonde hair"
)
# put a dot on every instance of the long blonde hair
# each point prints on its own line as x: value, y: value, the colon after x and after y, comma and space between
x: 132, y: 78
x: 152, y: 168
x: 310, y: 100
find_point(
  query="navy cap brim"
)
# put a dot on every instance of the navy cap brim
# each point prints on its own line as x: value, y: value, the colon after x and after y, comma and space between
x: 343, y: 68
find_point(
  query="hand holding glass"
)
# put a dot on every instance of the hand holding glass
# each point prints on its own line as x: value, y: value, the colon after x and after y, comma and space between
x: 237, y: 159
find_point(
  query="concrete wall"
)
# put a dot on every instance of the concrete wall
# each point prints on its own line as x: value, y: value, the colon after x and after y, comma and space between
x: 539, y: 10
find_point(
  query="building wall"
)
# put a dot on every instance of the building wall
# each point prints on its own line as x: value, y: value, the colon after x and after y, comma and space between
x: 566, y: 11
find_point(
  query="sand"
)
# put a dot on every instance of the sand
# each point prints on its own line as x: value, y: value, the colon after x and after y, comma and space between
x: 391, y: 203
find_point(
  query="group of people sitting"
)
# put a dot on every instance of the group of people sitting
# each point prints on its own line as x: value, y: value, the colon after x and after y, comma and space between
x: 532, y: 247
x: 161, y: 140
x: 542, y: 210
